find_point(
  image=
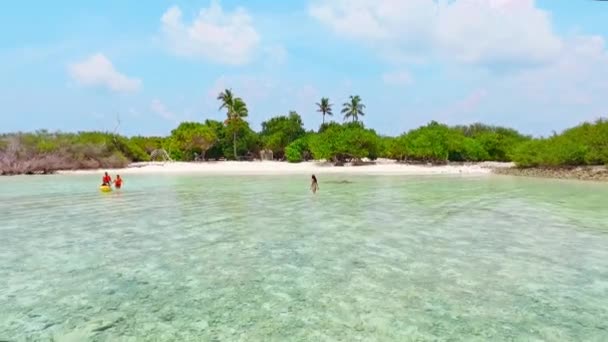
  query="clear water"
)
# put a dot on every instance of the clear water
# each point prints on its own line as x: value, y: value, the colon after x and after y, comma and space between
x: 206, y: 258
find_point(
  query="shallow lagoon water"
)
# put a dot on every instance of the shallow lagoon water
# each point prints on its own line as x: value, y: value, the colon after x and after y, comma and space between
x: 259, y: 258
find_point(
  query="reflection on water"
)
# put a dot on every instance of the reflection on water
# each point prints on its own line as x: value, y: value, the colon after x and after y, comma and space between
x: 261, y: 258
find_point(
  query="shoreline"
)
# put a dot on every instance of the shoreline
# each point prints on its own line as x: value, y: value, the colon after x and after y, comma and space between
x: 380, y: 167
x: 582, y: 173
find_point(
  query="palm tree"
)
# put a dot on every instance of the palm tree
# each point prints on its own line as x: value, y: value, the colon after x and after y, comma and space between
x: 227, y: 100
x: 353, y: 109
x: 236, y: 109
x: 324, y: 108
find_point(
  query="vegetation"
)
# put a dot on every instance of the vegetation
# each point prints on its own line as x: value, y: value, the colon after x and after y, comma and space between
x: 148, y: 144
x: 353, y: 108
x: 438, y: 143
x: 285, y: 136
x: 45, y: 152
x: 499, y: 142
x: 341, y: 143
x: 586, y: 144
x: 278, y: 132
x: 190, y: 139
x: 298, y: 150
x: 324, y: 107
x: 236, y: 110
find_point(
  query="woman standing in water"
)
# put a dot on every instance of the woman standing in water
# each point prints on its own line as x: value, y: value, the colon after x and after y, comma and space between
x: 314, y: 186
x: 118, y: 182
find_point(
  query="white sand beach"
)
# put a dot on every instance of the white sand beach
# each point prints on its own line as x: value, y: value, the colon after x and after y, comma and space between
x: 381, y: 167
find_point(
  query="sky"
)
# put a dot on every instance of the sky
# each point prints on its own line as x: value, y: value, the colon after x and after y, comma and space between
x: 537, y: 66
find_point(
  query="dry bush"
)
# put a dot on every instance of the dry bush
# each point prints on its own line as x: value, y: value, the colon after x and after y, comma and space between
x: 114, y: 161
x: 88, y: 164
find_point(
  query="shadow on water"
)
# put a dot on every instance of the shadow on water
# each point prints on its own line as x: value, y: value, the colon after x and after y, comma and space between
x: 338, y: 182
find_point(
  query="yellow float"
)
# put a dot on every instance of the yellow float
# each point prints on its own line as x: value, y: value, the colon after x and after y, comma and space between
x: 105, y: 188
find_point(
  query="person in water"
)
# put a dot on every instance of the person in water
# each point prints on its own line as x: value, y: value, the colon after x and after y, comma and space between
x: 118, y: 182
x: 314, y: 186
x: 106, y: 180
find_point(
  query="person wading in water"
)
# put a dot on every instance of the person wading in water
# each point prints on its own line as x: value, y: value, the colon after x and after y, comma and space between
x: 106, y: 180
x: 118, y: 182
x: 314, y: 186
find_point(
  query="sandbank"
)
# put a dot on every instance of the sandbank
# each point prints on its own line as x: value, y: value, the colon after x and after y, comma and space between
x: 380, y: 167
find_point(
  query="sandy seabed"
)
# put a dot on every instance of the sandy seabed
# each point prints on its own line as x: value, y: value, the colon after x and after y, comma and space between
x: 381, y: 167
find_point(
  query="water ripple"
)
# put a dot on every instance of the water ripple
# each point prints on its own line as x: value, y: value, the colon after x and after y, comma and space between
x: 260, y: 258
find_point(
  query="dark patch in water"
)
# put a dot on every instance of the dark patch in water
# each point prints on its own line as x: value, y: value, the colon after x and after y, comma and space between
x: 48, y: 325
x: 339, y: 182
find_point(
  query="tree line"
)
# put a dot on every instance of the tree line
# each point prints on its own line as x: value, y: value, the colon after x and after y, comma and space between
x: 286, y: 138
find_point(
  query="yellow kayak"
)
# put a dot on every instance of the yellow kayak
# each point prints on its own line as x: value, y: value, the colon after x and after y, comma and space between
x: 105, y: 188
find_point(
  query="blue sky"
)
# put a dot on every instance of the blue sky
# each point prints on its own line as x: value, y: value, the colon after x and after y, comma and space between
x: 537, y: 66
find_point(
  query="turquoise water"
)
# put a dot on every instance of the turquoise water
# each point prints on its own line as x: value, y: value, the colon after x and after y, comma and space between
x: 210, y: 258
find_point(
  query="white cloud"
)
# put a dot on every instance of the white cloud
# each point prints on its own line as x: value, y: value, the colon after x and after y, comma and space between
x: 482, y: 32
x: 215, y: 35
x: 98, y: 70
x: 400, y: 77
x: 159, y: 108
x: 570, y: 90
x: 576, y: 77
x: 556, y: 95
x: 551, y: 80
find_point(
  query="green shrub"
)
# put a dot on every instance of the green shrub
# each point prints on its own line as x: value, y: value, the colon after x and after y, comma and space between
x: 498, y: 142
x: 429, y: 143
x: 130, y: 150
x: 465, y: 149
x: 278, y: 132
x: 298, y: 150
x: 344, y: 142
x: 530, y: 153
x: 147, y: 144
x: 586, y: 144
x: 43, y: 151
x: 191, y: 138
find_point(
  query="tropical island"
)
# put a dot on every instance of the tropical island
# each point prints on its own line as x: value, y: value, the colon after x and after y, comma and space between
x: 578, y: 152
